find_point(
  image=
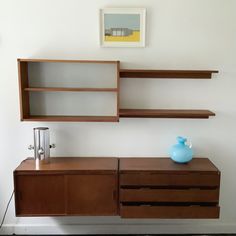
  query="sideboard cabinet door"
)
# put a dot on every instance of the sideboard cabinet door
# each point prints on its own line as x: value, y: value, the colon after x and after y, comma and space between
x: 39, y: 195
x: 93, y: 194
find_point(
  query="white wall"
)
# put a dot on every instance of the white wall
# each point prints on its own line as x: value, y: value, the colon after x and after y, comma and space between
x: 181, y: 34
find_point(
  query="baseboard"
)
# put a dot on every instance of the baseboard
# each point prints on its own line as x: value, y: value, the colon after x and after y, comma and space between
x: 120, y: 229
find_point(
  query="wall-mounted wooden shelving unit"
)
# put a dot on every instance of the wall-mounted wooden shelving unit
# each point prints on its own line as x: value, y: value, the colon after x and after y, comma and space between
x: 47, y: 85
x: 166, y: 74
x: 50, y: 90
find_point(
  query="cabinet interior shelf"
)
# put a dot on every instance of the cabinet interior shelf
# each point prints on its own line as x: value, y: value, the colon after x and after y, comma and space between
x: 67, y: 61
x: 72, y: 118
x: 64, y: 89
x: 165, y: 113
x: 169, y: 74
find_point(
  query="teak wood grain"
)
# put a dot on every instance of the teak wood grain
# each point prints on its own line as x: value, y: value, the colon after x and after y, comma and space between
x: 123, y: 113
x: 165, y: 113
x: 169, y: 74
x: 71, y: 165
x: 92, y: 195
x: 24, y: 88
x: 166, y: 165
x: 118, y: 90
x: 39, y: 195
x: 67, y: 61
x: 169, y: 195
x: 89, y: 186
x: 169, y: 212
x: 23, y: 83
x: 170, y: 179
x: 60, y: 89
x: 72, y: 118
x: 161, y: 188
x: 67, y: 186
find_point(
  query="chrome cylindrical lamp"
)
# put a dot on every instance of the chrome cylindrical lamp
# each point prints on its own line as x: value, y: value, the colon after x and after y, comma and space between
x: 41, y: 145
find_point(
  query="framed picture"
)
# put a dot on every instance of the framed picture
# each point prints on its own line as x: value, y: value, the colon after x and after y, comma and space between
x: 122, y: 27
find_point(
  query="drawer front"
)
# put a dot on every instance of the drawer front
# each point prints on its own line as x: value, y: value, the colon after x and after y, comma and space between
x: 153, y: 179
x: 169, y: 212
x: 169, y: 195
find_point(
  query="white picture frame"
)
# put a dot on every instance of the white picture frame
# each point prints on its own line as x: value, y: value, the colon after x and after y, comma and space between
x: 122, y: 27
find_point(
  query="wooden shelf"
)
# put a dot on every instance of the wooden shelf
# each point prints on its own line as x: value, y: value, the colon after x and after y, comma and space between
x: 72, y: 118
x: 169, y: 74
x: 32, y: 80
x: 165, y: 113
x: 63, y: 89
x: 66, y: 61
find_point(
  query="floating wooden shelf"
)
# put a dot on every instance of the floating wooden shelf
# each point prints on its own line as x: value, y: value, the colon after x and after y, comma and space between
x: 66, y: 61
x: 34, y: 106
x: 170, y: 74
x: 165, y: 113
x: 57, y: 89
x: 72, y: 118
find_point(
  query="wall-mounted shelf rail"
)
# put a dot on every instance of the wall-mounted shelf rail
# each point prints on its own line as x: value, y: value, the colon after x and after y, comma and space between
x: 71, y: 118
x: 169, y: 74
x: 165, y: 113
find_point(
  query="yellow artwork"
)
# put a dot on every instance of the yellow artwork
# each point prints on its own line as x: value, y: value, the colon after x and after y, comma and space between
x: 123, y: 27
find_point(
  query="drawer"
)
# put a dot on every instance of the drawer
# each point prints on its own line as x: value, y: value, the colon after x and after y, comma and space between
x: 169, y: 195
x: 169, y: 212
x: 154, y: 179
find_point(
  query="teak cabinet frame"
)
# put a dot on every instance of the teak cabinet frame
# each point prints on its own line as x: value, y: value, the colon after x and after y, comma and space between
x: 160, y: 188
x: 25, y: 89
x: 67, y: 186
x: 120, y: 113
x: 129, y: 187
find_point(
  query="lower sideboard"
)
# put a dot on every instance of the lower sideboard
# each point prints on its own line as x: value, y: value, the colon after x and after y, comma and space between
x: 67, y: 186
x: 129, y: 187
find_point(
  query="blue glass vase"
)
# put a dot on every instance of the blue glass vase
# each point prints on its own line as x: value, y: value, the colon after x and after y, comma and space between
x: 181, y: 152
